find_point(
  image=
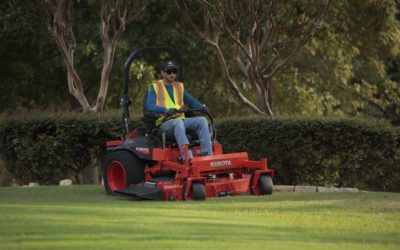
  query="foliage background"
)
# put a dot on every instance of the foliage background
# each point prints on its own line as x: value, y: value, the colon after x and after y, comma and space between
x: 350, y: 67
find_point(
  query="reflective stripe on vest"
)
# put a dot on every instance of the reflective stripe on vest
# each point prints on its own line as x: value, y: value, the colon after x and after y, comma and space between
x: 165, y: 101
x: 161, y: 94
x: 178, y: 93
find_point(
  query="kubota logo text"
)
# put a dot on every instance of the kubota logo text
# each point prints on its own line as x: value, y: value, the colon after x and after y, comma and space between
x: 145, y: 151
x: 220, y: 163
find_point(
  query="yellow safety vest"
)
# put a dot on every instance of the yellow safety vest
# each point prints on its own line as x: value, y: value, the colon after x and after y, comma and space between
x: 165, y: 101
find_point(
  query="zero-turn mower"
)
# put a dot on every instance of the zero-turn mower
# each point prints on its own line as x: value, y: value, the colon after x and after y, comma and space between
x: 147, y: 164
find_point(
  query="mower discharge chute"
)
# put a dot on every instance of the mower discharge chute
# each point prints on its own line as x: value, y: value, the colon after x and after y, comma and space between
x: 147, y: 164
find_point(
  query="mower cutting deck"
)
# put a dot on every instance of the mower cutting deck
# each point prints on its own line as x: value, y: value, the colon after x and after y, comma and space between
x: 145, y: 164
x: 205, y: 176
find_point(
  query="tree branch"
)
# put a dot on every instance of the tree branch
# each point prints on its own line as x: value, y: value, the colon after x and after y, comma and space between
x: 309, y: 33
x: 259, y: 31
x: 233, y: 84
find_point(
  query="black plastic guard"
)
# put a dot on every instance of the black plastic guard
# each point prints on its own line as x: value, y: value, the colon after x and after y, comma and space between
x: 145, y: 190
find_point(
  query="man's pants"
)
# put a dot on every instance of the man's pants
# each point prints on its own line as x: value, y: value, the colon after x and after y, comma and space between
x: 178, y: 127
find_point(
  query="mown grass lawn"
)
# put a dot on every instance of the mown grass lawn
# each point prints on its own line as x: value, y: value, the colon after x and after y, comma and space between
x: 84, y: 217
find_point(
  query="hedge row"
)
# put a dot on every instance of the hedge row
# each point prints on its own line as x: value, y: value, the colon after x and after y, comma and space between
x: 47, y: 148
x: 320, y: 151
x: 315, y: 151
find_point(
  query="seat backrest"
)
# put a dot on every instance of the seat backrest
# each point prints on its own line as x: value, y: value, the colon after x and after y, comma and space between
x: 149, y: 118
x: 144, y: 103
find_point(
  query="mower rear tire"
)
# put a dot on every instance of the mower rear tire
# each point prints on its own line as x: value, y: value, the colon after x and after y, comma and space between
x: 122, y: 169
x: 198, y: 191
x: 266, y: 185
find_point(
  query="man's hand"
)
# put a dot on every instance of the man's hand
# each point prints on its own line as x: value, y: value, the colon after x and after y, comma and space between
x: 171, y: 112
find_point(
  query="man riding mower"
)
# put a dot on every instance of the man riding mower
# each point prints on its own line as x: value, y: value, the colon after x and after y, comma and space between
x: 173, y: 157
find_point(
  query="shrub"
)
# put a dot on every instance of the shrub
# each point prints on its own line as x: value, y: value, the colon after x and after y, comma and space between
x: 316, y: 151
x: 46, y: 148
x: 319, y: 151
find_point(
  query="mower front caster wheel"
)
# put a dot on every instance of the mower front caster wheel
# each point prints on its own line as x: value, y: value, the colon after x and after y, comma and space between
x: 198, y: 191
x: 266, y: 185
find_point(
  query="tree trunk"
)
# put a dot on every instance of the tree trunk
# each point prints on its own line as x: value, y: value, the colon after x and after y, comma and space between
x: 113, y: 20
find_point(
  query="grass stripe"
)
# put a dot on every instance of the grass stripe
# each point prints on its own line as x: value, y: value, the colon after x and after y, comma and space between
x: 83, y: 217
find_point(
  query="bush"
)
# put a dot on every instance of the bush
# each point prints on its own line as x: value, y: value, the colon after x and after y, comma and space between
x: 316, y: 151
x: 46, y: 148
x: 319, y: 151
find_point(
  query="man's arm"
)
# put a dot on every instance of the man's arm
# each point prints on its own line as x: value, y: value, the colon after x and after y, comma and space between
x: 191, y: 102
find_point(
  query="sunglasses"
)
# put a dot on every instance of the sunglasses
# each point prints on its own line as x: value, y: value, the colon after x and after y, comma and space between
x: 171, y: 71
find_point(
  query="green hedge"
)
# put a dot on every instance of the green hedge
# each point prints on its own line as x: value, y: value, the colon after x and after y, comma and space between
x: 47, y: 148
x: 320, y: 151
x: 316, y: 151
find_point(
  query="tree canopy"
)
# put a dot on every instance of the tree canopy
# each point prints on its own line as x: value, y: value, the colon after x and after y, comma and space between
x: 349, y: 66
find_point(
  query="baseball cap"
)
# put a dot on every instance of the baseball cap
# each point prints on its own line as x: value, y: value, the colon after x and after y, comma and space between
x: 169, y: 64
